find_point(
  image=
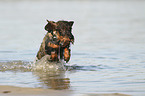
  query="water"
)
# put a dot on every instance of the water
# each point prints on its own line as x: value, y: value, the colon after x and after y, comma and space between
x: 108, y: 54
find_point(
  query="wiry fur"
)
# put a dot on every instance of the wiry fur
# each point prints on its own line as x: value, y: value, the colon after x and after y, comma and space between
x: 57, y: 40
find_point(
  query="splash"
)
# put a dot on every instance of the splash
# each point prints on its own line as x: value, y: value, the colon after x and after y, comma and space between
x: 44, y: 65
x: 48, y: 74
x: 16, y: 65
x: 26, y: 66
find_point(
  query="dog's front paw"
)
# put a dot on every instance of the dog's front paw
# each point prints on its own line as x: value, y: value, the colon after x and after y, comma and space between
x: 66, y: 54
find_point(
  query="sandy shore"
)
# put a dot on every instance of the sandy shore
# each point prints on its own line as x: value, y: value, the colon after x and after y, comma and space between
x: 19, y: 91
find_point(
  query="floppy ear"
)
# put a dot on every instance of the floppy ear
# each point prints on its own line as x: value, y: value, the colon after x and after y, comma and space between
x: 71, y: 23
x: 50, y: 26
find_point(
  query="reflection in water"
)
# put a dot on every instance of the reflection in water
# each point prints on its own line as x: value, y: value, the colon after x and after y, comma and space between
x: 42, y: 74
x: 53, y: 80
x: 49, y: 75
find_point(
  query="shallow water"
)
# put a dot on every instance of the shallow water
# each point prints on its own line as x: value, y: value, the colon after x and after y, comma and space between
x: 108, y: 54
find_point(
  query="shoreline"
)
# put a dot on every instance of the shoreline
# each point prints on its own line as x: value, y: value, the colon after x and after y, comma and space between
x: 20, y: 91
x: 6, y: 90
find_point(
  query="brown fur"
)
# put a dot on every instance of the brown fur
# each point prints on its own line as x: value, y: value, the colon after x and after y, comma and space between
x: 57, y: 40
x: 66, y: 54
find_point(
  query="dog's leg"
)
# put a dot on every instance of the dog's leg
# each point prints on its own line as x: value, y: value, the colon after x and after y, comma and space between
x: 61, y: 51
x: 40, y: 53
x: 42, y: 50
x: 66, y: 54
x: 52, y: 49
x: 54, y: 56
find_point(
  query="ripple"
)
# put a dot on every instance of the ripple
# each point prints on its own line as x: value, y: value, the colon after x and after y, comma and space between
x: 7, y: 51
x: 26, y: 66
x: 87, y: 68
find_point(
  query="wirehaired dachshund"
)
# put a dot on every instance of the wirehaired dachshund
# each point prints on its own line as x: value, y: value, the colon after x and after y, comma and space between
x: 57, y: 41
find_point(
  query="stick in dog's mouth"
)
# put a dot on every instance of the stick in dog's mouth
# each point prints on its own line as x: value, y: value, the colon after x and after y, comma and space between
x: 57, y: 41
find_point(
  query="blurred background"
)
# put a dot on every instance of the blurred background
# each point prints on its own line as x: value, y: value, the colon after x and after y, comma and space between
x: 98, y: 23
x: 109, y: 34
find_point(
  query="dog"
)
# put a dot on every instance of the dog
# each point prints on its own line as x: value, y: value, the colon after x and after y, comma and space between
x: 57, y: 41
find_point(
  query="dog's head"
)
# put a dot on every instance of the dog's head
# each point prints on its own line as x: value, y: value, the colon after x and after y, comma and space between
x: 62, y: 30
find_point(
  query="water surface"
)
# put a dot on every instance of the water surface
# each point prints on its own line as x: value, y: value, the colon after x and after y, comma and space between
x: 108, y: 54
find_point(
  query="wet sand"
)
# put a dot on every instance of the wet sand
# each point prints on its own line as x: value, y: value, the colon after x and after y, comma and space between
x: 19, y: 91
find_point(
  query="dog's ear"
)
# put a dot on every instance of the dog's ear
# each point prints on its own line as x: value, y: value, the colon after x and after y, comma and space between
x: 50, y: 26
x: 71, y: 23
